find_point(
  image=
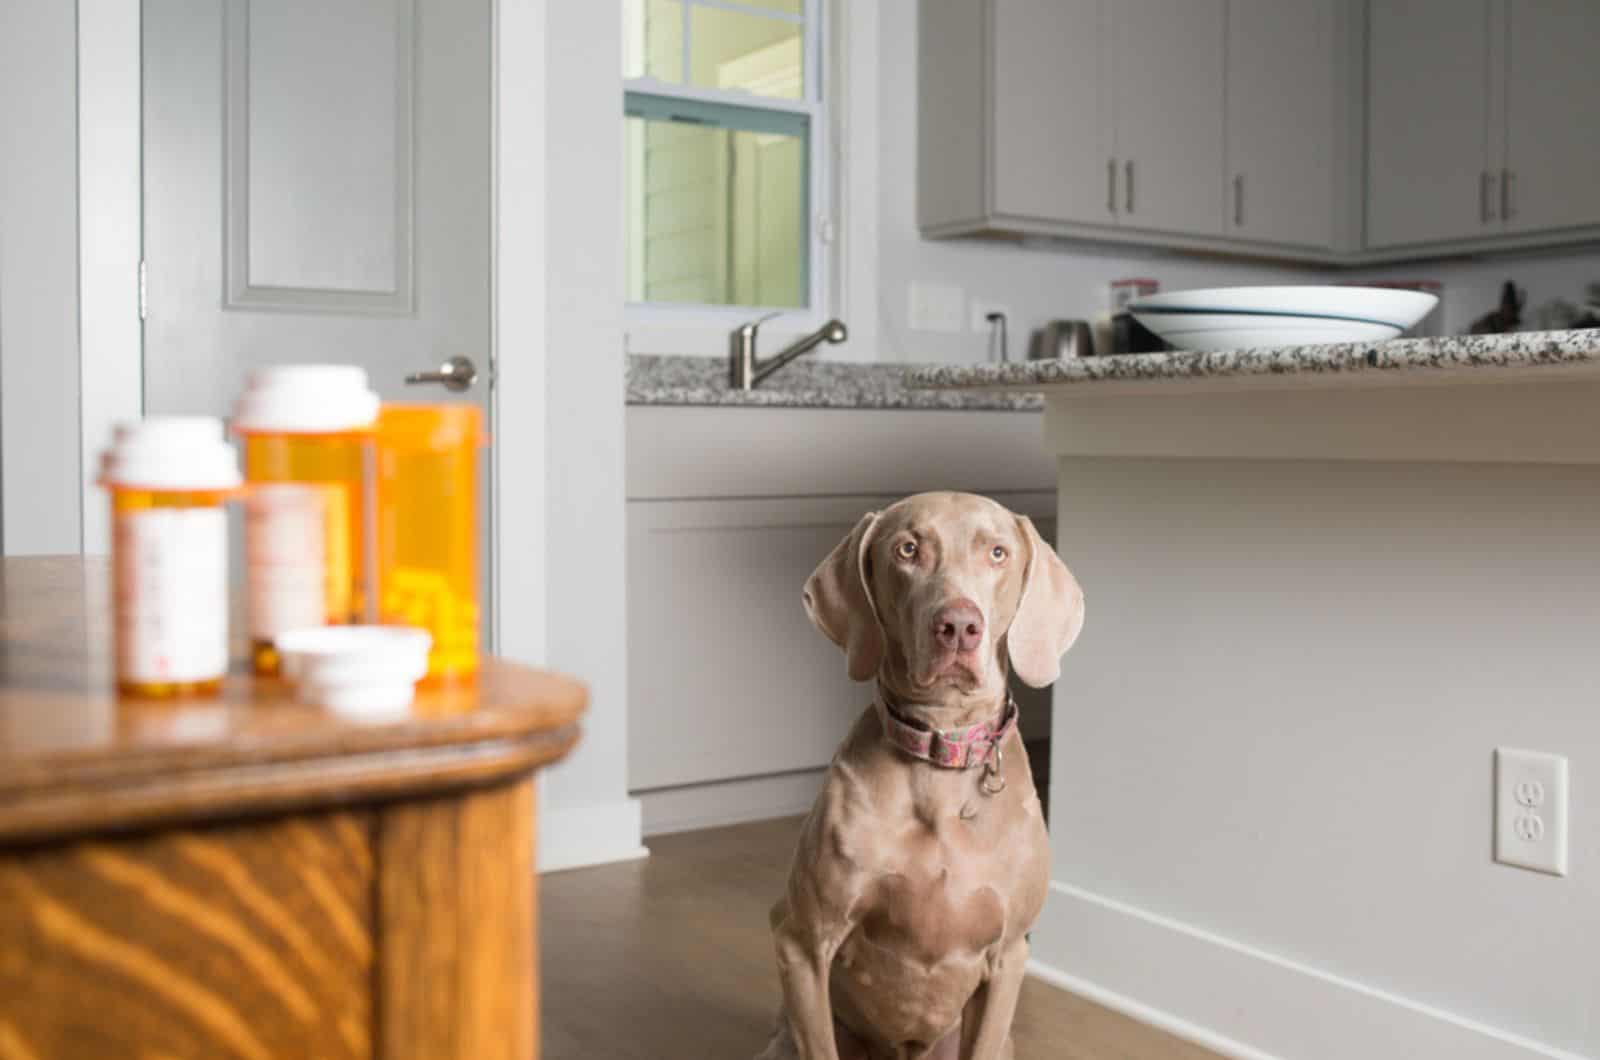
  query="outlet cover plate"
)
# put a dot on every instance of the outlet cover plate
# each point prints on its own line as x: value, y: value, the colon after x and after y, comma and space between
x: 1530, y: 810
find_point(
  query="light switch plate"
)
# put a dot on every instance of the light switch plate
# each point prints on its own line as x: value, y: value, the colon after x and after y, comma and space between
x: 1530, y: 810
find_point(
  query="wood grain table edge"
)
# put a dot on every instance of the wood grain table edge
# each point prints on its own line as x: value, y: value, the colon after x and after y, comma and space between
x: 221, y: 792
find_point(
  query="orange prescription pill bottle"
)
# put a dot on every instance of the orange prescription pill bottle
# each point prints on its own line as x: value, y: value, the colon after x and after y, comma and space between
x: 428, y: 528
x: 169, y: 478
x: 307, y: 431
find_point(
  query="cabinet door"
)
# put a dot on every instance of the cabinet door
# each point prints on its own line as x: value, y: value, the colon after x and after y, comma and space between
x: 1552, y: 101
x: 1280, y: 111
x: 1427, y: 122
x: 1168, y: 114
x: 1051, y: 147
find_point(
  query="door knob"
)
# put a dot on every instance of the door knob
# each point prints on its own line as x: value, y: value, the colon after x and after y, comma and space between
x: 457, y: 374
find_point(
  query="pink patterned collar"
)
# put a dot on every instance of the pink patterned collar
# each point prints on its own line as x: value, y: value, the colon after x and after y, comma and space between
x: 963, y: 748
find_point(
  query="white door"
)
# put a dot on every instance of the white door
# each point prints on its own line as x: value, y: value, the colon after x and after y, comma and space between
x: 1167, y: 58
x: 1428, y: 175
x: 1051, y: 144
x: 1280, y: 121
x: 316, y: 188
x: 1552, y: 87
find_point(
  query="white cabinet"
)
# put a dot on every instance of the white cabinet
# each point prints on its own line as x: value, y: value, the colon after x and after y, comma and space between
x: 1428, y: 171
x: 1480, y: 121
x: 1167, y: 139
x: 1281, y: 110
x: 1051, y: 141
x: 1551, y: 173
x: 1238, y: 125
x: 1115, y: 120
x: 1109, y: 113
x: 726, y: 677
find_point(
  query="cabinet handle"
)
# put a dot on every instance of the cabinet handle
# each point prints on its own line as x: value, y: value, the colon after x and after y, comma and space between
x: 1238, y: 200
x: 1111, y: 185
x: 1486, y: 196
x: 1508, y: 201
x: 1127, y: 179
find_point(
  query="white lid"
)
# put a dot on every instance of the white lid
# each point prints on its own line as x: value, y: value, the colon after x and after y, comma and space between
x: 306, y: 399
x: 349, y: 658
x: 170, y: 452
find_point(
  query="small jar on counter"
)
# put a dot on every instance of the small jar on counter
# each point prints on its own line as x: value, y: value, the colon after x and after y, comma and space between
x: 169, y: 479
x: 428, y: 528
x: 307, y: 431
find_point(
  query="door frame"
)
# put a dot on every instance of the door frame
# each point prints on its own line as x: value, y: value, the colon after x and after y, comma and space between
x: 111, y: 345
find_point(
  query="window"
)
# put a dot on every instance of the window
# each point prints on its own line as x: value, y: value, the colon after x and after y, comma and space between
x: 723, y: 115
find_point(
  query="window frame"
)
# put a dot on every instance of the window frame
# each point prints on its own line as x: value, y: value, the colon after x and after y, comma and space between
x: 659, y: 321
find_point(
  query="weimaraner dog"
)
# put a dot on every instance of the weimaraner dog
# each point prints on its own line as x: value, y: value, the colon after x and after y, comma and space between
x: 924, y: 861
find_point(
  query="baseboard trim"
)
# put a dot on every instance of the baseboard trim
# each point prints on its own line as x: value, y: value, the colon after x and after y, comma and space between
x: 1241, y: 1001
x: 724, y: 802
x: 579, y: 836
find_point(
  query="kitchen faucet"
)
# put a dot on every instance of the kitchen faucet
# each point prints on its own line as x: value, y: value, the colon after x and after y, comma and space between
x: 745, y: 373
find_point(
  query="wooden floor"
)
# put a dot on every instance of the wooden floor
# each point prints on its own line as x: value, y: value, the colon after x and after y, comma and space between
x: 669, y: 959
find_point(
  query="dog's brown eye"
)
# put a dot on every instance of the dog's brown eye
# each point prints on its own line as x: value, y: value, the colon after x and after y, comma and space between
x: 906, y: 550
x: 999, y: 553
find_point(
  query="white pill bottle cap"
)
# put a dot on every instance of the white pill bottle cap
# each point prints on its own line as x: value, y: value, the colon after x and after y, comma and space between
x: 170, y: 453
x: 306, y: 399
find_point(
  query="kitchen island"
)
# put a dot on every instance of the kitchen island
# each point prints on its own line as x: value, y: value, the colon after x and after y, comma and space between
x: 1324, y: 584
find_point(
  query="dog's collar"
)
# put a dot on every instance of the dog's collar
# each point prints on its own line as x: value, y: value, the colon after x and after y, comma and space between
x: 962, y: 748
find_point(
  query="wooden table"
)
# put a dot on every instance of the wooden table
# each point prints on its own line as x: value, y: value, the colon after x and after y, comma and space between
x: 248, y: 877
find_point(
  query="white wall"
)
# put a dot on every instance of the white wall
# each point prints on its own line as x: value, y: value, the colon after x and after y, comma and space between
x: 587, y: 815
x: 1272, y: 779
x: 39, y: 277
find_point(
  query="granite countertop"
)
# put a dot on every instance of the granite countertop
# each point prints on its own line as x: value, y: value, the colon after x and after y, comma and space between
x: 653, y: 380
x: 1442, y: 359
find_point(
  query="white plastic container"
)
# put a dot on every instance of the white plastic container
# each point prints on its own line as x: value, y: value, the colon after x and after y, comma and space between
x: 359, y: 671
x: 308, y: 455
x: 169, y: 479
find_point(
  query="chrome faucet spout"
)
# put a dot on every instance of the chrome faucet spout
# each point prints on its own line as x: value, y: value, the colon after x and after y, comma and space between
x: 745, y: 371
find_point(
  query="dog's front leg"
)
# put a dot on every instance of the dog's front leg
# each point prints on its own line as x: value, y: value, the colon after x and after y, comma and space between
x: 804, y: 960
x: 987, y: 1020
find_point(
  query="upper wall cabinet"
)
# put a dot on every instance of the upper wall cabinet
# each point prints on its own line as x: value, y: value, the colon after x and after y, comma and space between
x: 1342, y: 132
x: 1551, y: 173
x: 1429, y: 174
x: 1282, y: 113
x: 1474, y: 127
x: 1207, y: 124
x: 1166, y: 111
x: 1049, y: 70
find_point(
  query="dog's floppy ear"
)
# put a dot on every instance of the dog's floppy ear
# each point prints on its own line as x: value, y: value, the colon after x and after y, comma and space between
x: 840, y: 605
x: 1049, y: 614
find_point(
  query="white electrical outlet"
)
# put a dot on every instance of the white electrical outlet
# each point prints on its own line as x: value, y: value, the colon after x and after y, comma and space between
x: 1530, y: 810
x: 935, y: 307
x: 979, y: 314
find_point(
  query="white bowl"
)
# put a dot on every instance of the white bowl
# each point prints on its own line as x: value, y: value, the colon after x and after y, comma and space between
x: 1233, y: 317
x: 365, y: 671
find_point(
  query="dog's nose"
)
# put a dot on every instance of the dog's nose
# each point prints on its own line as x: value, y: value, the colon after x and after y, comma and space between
x: 958, y: 626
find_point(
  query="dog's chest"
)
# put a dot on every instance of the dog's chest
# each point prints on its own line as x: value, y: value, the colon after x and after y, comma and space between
x: 937, y: 896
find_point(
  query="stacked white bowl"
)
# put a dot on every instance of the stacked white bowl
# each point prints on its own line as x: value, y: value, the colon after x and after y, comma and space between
x: 1229, y: 318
